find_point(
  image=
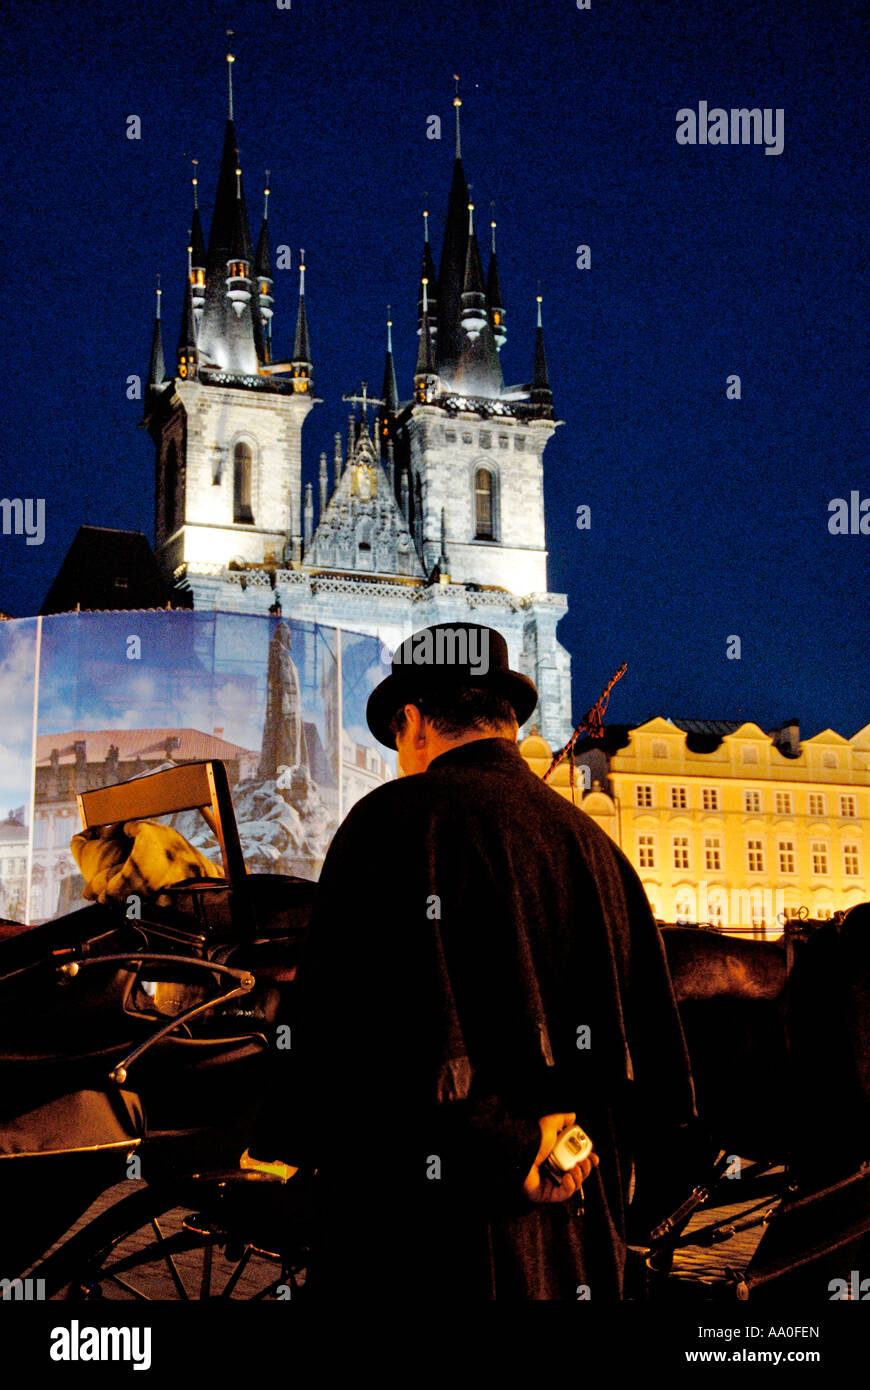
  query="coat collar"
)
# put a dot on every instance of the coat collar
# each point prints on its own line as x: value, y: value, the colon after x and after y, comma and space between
x: 491, y: 752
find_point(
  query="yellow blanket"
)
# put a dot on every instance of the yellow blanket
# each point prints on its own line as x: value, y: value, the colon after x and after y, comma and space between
x: 138, y: 857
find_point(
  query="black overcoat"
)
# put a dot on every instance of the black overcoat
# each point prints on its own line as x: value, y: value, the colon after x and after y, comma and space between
x: 481, y: 954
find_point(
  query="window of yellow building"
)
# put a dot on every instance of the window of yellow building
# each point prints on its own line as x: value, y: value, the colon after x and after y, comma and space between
x: 783, y: 804
x: 851, y: 865
x: 786, y: 856
x: 819, y: 851
x: 752, y: 801
x: 817, y: 804
x: 755, y: 856
x: 710, y: 799
x: 643, y: 795
x: 712, y: 853
x: 681, y: 852
x: 848, y: 806
x: 646, y: 851
x: 679, y: 798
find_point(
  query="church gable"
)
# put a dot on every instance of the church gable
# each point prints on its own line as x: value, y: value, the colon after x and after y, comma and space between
x: 362, y: 528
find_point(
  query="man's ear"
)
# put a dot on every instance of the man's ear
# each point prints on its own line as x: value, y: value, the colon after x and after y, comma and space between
x: 415, y: 724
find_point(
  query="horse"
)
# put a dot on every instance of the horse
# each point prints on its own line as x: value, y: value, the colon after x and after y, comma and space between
x: 780, y: 1056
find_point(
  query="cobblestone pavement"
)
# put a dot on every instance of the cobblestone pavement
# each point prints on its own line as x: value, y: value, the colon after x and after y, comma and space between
x: 190, y: 1274
x: 154, y: 1279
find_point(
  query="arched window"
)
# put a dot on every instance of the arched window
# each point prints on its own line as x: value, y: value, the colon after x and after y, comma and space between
x: 483, y: 505
x: 170, y: 488
x: 242, y: 481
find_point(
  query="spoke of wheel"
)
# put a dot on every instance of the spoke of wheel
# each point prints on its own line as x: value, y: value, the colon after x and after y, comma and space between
x: 137, y: 1293
x: 169, y: 1261
x: 226, y: 1291
x: 205, y: 1282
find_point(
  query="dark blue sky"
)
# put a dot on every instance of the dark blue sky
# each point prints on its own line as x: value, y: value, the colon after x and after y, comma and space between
x: 709, y: 516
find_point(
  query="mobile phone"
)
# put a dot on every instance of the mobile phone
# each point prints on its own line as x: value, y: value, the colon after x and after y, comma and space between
x: 570, y: 1148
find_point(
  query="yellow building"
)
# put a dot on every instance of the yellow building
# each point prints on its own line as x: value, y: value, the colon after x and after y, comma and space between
x: 727, y: 824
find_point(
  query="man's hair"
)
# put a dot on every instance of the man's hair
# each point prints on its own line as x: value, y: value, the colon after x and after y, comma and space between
x: 459, y: 710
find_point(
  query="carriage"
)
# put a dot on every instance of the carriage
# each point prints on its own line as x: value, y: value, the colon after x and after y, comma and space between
x: 138, y: 1045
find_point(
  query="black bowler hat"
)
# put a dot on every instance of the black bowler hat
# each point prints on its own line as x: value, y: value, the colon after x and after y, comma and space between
x: 440, y: 658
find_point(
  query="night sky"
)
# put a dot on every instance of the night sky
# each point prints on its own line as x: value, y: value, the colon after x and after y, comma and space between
x: 709, y: 516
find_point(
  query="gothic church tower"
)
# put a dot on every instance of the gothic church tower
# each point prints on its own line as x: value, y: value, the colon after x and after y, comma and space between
x: 434, y: 512
x: 228, y: 423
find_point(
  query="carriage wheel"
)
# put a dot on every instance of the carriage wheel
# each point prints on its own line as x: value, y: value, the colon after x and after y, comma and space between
x: 154, y: 1244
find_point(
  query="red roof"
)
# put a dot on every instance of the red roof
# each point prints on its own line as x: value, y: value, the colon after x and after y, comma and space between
x: 148, y: 744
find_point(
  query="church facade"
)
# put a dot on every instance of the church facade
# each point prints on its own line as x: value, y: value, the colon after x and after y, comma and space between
x: 431, y: 508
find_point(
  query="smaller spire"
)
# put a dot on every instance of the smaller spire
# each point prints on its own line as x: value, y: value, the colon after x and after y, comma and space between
x: 263, y: 258
x: 473, y: 299
x: 187, y: 351
x: 457, y: 102
x: 238, y: 266
x: 493, y: 293
x: 263, y: 275
x: 541, y: 396
x: 427, y: 273
x: 390, y: 392
x: 157, y: 365
x: 425, y: 371
x: 302, y: 365
x: 238, y: 246
x: 196, y: 253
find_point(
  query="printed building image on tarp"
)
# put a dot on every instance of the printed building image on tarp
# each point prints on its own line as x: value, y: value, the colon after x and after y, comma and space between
x: 117, y: 695
x: 18, y: 647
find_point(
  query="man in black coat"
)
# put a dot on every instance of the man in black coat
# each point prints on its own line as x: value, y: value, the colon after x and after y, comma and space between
x: 482, y: 969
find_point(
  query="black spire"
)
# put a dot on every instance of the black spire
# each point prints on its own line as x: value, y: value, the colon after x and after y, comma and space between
x: 263, y: 261
x: 427, y: 273
x: 541, y: 396
x: 197, y: 240
x: 494, y: 297
x: 263, y: 276
x: 451, y: 275
x: 187, y: 354
x: 227, y: 338
x: 240, y: 237
x: 424, y: 373
x: 466, y: 351
x: 390, y: 392
x: 230, y: 215
x: 474, y: 312
x: 302, y: 364
x: 478, y: 372
x: 157, y: 366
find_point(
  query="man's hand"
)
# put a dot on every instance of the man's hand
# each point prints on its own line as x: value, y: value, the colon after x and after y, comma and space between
x: 539, y: 1188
